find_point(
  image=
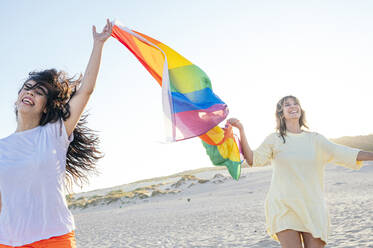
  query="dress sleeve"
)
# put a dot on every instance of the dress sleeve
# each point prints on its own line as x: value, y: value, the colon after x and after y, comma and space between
x: 263, y: 155
x: 339, y: 154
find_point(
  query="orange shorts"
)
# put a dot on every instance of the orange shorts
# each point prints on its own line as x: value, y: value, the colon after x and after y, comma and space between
x: 63, y: 241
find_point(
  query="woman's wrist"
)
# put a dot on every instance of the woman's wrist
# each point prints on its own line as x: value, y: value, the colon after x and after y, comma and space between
x: 241, y: 129
x: 364, y: 156
x: 98, y: 43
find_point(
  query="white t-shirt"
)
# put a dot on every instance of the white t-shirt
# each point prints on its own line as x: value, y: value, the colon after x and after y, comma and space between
x: 32, y: 177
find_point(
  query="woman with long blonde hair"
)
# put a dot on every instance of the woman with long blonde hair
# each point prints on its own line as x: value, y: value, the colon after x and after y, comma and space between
x: 295, y: 206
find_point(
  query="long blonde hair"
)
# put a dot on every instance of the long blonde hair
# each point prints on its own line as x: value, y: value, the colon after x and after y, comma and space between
x: 280, y: 119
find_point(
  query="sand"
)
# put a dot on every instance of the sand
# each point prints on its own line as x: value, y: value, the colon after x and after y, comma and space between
x: 219, y: 212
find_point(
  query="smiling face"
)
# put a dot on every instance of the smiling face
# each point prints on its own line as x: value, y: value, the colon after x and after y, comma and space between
x: 291, y: 109
x: 32, y: 99
x: 288, y: 110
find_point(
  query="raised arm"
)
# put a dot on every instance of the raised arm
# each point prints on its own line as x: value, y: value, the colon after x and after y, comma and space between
x: 81, y: 97
x: 246, y: 150
x: 364, y: 156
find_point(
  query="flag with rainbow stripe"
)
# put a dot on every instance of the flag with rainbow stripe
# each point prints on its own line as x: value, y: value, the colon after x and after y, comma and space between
x: 190, y: 106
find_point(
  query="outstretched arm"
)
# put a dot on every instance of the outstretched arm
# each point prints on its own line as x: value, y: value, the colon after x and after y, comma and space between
x: 364, y: 156
x: 81, y: 97
x: 246, y: 150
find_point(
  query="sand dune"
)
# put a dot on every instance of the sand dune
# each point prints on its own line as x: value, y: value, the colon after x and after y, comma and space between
x: 207, y: 208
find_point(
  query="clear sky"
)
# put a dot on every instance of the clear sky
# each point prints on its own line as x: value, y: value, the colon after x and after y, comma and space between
x: 255, y: 52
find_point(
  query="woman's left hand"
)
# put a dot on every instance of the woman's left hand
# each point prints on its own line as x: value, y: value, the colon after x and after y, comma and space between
x: 105, y: 34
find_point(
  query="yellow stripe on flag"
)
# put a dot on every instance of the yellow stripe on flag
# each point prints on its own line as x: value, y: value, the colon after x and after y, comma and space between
x: 173, y: 58
x: 229, y: 150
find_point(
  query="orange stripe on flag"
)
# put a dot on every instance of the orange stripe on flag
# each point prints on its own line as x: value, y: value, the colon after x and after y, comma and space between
x: 128, y: 40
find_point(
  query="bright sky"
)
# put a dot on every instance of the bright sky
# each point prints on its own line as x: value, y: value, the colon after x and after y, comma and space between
x: 255, y: 52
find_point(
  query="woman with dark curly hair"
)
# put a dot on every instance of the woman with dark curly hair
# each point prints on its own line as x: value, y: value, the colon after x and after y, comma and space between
x: 50, y: 146
x: 295, y: 207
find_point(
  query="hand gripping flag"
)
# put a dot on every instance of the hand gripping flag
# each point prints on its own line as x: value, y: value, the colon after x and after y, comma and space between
x: 190, y: 106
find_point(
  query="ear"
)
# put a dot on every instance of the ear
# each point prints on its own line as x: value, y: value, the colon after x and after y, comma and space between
x: 45, y: 110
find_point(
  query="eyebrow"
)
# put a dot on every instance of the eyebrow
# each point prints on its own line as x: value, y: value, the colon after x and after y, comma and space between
x: 37, y: 86
x: 290, y: 103
x: 45, y: 91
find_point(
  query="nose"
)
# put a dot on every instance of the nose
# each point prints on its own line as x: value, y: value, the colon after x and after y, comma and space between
x: 30, y: 92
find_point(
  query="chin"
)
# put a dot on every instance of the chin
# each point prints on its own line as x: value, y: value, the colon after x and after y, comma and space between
x: 26, y: 111
x: 294, y: 118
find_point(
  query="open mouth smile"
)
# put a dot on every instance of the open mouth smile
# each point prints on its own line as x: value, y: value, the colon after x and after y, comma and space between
x: 28, y: 101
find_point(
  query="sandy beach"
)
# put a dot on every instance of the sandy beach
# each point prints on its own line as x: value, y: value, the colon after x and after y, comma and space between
x: 206, y: 208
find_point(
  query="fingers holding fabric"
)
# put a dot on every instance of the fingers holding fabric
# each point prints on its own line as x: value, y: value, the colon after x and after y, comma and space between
x: 235, y: 123
x: 105, y: 34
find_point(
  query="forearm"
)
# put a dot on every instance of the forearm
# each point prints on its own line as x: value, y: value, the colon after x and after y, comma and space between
x: 364, y: 156
x: 246, y: 150
x: 90, y: 76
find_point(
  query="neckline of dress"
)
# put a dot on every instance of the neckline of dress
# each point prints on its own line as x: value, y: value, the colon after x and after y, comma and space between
x: 295, y: 134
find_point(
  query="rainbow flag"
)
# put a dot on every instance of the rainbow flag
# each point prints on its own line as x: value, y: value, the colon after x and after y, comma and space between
x: 190, y: 106
x: 223, y: 149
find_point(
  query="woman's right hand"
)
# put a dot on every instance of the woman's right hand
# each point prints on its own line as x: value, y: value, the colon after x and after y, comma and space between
x: 235, y: 123
x: 246, y: 150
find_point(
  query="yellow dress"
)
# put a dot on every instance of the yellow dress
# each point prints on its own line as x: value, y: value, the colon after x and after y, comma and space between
x: 295, y: 199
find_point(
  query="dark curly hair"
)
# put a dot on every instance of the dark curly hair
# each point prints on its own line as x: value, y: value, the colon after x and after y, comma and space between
x: 280, y: 119
x: 83, y: 152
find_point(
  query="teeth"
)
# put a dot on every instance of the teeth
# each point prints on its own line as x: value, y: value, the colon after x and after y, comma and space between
x: 27, y: 101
